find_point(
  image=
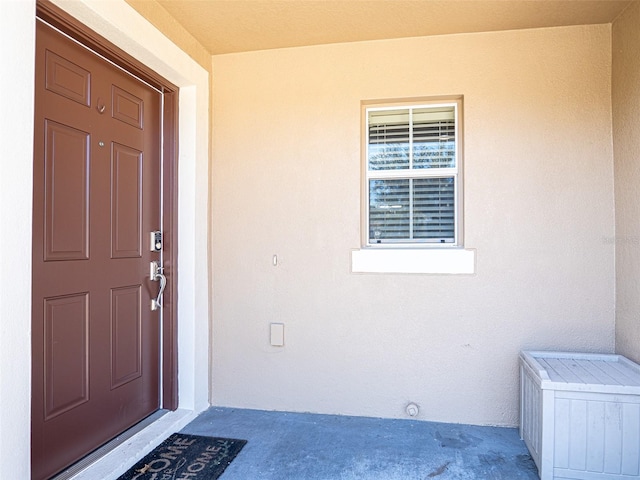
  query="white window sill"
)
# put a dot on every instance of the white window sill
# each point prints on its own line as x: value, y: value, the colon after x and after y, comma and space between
x: 426, y: 260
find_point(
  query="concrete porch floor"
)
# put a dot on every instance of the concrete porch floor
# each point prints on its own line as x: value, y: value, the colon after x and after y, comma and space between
x: 300, y: 446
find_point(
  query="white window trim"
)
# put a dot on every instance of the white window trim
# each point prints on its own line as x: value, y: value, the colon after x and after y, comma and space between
x: 454, y: 261
x: 414, y: 258
x: 457, y: 172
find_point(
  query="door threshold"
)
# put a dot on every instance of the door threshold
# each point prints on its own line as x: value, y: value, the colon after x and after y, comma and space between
x: 109, y: 446
x: 115, y: 457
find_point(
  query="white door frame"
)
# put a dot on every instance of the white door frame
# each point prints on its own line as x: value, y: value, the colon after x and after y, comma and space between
x: 119, y: 23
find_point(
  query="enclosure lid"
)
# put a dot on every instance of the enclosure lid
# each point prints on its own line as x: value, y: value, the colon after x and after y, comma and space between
x: 600, y: 373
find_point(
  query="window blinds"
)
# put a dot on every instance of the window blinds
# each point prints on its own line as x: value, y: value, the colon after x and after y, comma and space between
x: 412, y: 209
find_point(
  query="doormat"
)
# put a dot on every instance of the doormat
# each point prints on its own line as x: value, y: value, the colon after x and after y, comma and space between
x: 183, y: 456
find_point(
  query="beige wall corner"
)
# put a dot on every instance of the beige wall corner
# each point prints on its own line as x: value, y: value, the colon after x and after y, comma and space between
x: 626, y: 141
x: 160, y: 18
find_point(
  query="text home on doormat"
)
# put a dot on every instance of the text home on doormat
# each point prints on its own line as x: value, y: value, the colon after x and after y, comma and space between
x: 186, y: 457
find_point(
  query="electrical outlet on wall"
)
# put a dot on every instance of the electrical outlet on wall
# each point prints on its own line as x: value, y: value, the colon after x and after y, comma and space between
x: 277, y: 334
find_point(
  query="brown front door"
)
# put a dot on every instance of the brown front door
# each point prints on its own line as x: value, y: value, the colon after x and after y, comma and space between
x: 96, y: 198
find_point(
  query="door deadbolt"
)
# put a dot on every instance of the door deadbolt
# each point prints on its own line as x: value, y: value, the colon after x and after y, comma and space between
x: 155, y: 241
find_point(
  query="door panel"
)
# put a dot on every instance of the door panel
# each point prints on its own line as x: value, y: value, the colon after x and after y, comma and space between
x: 67, y: 79
x: 66, y: 359
x: 127, y: 107
x: 126, y: 202
x: 126, y: 326
x: 66, y: 209
x: 96, y: 194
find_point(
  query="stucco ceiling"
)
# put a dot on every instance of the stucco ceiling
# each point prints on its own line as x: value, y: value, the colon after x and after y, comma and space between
x: 228, y: 26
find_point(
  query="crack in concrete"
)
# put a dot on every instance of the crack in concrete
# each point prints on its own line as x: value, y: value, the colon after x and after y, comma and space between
x: 439, y: 471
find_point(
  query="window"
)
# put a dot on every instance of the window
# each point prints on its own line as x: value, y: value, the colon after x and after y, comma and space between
x: 413, y: 187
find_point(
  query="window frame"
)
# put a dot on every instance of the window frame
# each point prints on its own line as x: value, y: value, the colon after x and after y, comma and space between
x: 456, y: 173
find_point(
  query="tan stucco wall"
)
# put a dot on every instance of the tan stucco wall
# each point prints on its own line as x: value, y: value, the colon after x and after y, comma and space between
x: 626, y: 138
x: 539, y: 210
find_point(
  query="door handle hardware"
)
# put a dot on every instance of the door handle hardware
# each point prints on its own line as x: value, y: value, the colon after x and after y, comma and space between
x: 155, y: 238
x: 156, y: 274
